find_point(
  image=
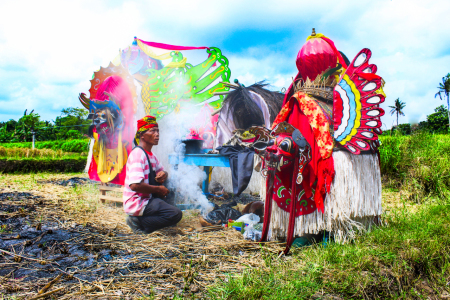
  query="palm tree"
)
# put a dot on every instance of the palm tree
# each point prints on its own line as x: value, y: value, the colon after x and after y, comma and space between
x: 397, y: 108
x: 444, y: 88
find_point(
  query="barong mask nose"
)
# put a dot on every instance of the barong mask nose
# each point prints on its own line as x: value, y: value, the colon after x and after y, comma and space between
x: 283, y: 148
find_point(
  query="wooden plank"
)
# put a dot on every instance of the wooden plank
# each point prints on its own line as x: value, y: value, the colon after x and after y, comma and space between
x: 103, y: 187
x: 110, y: 188
x: 103, y: 193
x: 109, y: 198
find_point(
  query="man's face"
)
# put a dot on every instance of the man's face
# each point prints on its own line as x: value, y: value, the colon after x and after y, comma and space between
x: 151, y: 136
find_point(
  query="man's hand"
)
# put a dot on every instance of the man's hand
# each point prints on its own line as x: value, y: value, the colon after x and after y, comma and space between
x: 145, y: 188
x: 161, y: 176
x: 163, y: 191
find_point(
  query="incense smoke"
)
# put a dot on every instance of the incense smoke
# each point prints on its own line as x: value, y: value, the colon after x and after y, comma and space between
x: 185, y: 180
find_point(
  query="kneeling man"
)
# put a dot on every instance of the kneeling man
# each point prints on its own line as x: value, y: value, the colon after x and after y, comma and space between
x: 143, y: 188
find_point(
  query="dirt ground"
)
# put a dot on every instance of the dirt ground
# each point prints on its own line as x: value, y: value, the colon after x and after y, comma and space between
x: 57, y: 239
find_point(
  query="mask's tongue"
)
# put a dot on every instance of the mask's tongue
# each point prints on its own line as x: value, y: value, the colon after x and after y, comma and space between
x: 286, y: 176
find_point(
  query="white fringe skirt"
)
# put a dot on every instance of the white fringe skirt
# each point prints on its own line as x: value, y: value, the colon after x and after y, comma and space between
x: 353, y: 204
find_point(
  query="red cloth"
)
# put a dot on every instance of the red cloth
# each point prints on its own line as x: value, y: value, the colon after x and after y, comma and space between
x: 299, y: 76
x: 146, y: 122
x: 318, y: 169
x: 315, y: 57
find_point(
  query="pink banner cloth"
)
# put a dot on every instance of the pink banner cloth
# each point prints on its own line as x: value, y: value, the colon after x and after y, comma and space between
x: 170, y: 47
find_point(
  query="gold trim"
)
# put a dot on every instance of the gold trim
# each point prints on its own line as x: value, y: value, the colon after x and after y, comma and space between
x: 318, y: 87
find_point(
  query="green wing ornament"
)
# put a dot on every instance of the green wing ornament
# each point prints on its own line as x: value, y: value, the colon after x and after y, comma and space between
x: 180, y: 83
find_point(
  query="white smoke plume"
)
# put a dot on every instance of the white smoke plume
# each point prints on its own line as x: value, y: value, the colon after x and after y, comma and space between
x: 185, y: 179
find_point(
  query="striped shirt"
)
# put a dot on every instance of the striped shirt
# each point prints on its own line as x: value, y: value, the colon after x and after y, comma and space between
x: 138, y: 171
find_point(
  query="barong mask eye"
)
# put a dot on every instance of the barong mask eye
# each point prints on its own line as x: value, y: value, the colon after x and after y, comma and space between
x: 286, y: 145
x: 261, y: 146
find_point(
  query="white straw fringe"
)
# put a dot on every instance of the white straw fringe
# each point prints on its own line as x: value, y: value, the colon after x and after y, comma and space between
x: 352, y: 205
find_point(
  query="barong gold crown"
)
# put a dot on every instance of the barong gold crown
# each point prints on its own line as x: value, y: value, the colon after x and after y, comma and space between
x: 319, y: 87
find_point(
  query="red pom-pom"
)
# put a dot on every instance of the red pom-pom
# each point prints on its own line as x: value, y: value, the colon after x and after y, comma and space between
x: 315, y: 57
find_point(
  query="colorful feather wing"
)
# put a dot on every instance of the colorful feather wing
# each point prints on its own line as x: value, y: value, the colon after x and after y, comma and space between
x: 356, y: 111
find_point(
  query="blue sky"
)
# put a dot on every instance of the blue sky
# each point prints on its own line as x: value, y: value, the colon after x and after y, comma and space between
x: 49, y: 49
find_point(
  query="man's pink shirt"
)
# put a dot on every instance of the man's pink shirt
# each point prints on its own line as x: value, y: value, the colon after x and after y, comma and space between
x: 138, y: 171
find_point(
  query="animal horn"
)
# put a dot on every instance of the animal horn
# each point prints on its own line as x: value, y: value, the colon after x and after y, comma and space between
x: 229, y: 84
x: 220, y: 93
x: 85, y: 101
x: 216, y: 112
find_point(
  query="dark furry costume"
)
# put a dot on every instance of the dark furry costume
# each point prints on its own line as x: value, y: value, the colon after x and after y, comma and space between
x: 242, y: 108
x: 245, y: 111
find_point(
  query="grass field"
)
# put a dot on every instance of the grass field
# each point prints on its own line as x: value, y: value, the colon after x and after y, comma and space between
x: 64, y: 145
x: 22, y: 153
x: 406, y: 258
x: 24, y: 160
x: 418, y: 165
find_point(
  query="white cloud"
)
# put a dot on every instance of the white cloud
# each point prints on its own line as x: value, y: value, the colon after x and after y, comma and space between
x: 256, y: 65
x: 49, y: 49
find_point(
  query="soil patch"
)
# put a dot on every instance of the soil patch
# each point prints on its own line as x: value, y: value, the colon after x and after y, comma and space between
x: 42, y: 250
x: 68, y: 182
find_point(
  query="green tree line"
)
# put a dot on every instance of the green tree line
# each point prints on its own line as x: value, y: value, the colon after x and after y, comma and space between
x: 436, y: 122
x: 71, y: 124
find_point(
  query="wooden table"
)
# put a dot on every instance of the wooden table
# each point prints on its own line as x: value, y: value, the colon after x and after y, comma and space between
x: 205, y: 160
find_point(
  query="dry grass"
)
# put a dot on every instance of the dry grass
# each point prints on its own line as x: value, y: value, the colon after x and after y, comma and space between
x: 394, y: 200
x: 184, y: 260
x: 189, y: 263
x: 81, y: 203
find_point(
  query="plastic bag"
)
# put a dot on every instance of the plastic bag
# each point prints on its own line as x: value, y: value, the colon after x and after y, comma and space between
x: 249, y: 219
x: 222, y: 214
x: 252, y: 234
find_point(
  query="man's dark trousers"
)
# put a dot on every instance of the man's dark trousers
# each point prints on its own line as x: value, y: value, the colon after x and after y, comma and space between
x: 157, y: 214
